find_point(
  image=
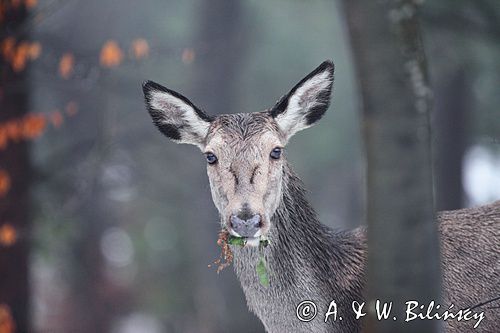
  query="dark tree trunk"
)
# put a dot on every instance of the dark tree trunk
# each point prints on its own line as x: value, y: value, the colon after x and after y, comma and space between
x: 15, y: 162
x: 221, y: 47
x: 219, y: 50
x: 403, y: 259
x: 450, y: 138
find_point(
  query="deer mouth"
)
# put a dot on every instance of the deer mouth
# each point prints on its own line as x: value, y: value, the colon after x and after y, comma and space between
x: 246, y: 240
x: 236, y: 234
x: 252, y: 241
x: 258, y: 239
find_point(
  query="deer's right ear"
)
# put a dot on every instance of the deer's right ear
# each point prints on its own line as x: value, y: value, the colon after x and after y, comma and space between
x: 175, y: 116
x: 306, y: 102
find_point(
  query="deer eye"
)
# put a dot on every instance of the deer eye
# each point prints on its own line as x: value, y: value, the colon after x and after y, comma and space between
x: 276, y: 153
x: 211, y: 158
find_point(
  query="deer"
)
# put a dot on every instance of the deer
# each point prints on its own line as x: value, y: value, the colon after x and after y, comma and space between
x: 257, y: 194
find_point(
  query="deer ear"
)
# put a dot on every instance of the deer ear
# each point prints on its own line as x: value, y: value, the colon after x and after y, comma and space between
x: 306, y: 102
x: 175, y: 116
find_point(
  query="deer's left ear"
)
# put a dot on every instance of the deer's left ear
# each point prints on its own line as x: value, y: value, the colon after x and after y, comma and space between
x: 175, y: 116
x: 306, y: 102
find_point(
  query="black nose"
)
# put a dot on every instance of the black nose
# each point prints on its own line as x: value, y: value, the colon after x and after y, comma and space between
x: 246, y: 224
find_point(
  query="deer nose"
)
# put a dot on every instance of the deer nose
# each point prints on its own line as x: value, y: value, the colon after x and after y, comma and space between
x: 245, y: 224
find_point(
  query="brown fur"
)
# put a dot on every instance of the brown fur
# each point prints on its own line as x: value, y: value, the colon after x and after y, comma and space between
x: 470, y: 251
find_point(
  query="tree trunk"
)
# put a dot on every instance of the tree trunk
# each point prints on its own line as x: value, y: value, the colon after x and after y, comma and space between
x: 403, y: 259
x: 450, y: 130
x: 16, y: 172
x: 220, y: 47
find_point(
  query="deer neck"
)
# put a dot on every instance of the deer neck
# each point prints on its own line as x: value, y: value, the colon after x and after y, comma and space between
x: 296, y: 238
x: 304, y: 261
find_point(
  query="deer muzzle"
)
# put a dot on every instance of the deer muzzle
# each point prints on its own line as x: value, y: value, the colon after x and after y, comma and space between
x: 244, y: 225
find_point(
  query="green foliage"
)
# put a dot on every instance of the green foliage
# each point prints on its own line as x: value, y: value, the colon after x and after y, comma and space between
x: 262, y: 272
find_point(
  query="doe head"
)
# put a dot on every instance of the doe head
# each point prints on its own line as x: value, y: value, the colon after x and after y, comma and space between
x: 244, y: 151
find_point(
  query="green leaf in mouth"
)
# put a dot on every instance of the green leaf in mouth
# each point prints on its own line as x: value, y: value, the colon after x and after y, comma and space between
x: 262, y: 272
x: 233, y: 240
x: 242, y: 241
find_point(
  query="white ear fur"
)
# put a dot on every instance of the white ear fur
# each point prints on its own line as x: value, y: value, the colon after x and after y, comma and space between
x: 175, y: 116
x: 306, y: 102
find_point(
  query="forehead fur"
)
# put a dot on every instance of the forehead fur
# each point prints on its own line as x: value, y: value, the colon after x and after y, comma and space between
x: 243, y: 126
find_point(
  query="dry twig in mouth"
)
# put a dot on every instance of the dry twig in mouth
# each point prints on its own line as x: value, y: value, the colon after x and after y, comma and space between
x: 226, y: 256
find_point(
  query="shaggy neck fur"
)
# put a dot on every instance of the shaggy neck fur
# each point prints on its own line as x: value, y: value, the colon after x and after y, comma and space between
x: 305, y: 261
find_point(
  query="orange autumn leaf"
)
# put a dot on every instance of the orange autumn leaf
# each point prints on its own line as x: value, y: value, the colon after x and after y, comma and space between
x: 111, y: 54
x: 30, y: 3
x: 12, y: 130
x: 7, y: 47
x: 18, y: 62
x: 188, y: 56
x: 4, y: 183
x: 20, y: 54
x: 8, y: 235
x: 7, y: 324
x: 66, y: 64
x: 139, y: 48
x: 34, y: 50
x: 71, y: 108
x: 33, y: 126
x: 20, y: 57
x: 56, y: 118
x: 29, y: 127
x: 3, y: 138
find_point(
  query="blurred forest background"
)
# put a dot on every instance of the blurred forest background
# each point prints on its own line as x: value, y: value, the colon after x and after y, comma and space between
x: 106, y: 226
